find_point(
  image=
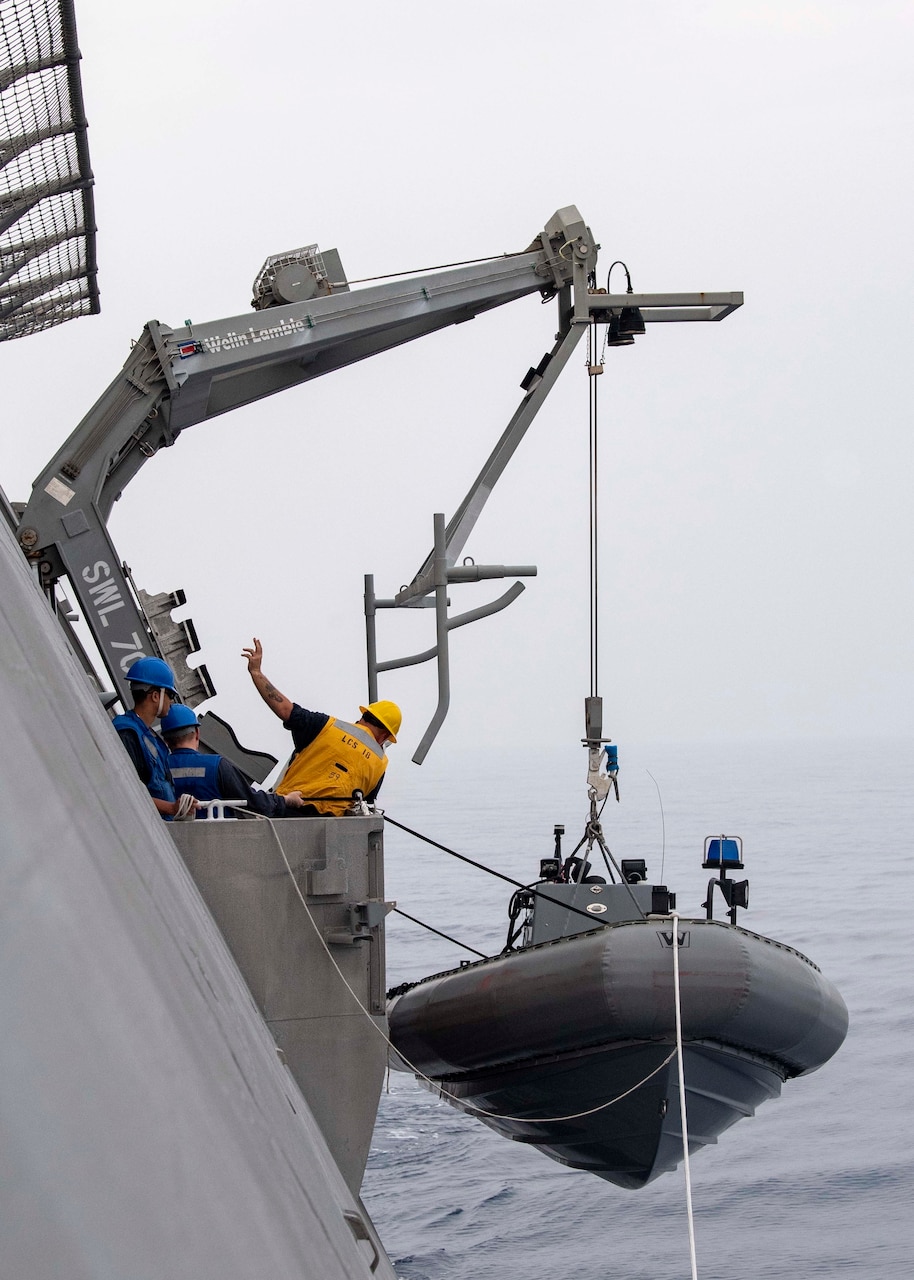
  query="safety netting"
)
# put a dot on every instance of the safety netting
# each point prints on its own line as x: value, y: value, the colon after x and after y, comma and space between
x: 47, y: 219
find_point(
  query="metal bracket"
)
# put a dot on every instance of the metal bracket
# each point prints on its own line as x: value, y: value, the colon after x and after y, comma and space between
x: 442, y: 574
x: 364, y: 917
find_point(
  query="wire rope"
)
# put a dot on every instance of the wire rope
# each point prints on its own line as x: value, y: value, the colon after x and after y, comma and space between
x: 443, y: 266
x: 593, y: 461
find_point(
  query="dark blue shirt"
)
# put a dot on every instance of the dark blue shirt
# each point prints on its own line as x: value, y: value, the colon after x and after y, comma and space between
x: 304, y: 725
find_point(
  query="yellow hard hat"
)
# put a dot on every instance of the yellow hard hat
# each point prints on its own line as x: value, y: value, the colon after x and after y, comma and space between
x: 387, y: 714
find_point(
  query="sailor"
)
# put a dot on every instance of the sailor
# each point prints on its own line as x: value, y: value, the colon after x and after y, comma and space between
x: 211, y: 777
x: 152, y: 686
x: 333, y: 759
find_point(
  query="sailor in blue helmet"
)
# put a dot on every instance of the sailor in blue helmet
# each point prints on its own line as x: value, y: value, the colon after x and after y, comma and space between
x: 210, y: 777
x: 152, y: 685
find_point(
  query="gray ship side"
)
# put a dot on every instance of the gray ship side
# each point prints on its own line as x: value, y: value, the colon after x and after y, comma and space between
x: 150, y: 1127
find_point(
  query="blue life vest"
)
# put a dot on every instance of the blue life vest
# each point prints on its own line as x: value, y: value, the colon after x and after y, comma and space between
x: 196, y: 773
x: 156, y: 753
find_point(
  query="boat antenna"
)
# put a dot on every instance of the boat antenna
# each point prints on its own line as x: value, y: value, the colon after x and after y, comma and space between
x: 662, y: 824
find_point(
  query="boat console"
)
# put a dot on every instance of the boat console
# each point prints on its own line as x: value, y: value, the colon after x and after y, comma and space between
x: 561, y: 910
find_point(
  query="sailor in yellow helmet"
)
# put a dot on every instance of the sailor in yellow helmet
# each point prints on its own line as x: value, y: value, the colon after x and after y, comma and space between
x: 333, y: 759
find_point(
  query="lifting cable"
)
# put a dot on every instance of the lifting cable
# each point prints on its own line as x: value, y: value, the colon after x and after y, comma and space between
x: 594, y: 369
x: 436, y: 1088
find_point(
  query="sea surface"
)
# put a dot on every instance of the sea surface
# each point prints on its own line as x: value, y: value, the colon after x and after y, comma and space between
x: 821, y: 1181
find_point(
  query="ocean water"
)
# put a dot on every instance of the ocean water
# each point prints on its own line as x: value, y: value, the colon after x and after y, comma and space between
x: 820, y: 1181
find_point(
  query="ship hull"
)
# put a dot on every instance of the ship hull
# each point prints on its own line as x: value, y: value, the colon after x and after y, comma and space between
x: 570, y: 1046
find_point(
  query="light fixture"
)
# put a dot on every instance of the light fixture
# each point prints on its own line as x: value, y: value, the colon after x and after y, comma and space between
x: 723, y: 855
x: 631, y: 321
x: 615, y: 337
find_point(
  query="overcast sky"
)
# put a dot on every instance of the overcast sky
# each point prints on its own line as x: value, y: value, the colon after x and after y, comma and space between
x: 755, y: 475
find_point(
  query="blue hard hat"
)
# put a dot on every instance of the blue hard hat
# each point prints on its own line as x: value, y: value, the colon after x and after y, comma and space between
x: 179, y: 717
x: 153, y: 672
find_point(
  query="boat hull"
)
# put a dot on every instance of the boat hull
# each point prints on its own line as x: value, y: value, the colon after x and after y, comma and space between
x: 570, y: 1046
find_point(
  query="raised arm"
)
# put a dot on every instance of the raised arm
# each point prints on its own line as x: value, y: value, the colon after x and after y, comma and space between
x: 278, y: 703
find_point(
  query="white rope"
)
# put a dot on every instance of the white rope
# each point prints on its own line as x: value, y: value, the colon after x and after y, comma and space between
x: 437, y: 1088
x: 682, y: 1096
